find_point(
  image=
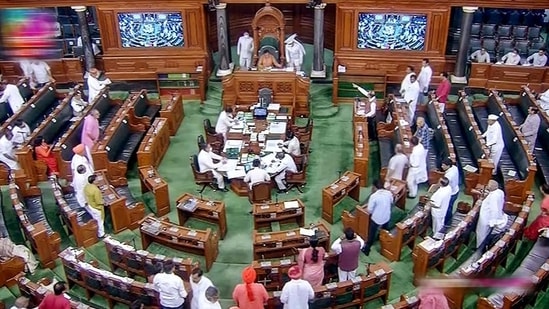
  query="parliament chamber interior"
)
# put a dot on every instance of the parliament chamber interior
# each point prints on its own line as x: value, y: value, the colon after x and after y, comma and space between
x: 285, y: 70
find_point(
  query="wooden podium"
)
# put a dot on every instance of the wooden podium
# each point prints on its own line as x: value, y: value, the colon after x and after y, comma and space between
x: 347, y: 184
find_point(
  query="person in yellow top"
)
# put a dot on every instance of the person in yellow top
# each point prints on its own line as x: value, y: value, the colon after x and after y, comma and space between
x: 94, y: 204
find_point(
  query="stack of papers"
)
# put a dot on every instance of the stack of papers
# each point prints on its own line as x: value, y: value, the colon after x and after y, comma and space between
x: 291, y: 204
x: 306, y: 232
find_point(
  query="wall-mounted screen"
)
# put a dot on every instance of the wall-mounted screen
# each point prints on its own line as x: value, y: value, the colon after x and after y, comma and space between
x: 391, y: 31
x: 151, y: 29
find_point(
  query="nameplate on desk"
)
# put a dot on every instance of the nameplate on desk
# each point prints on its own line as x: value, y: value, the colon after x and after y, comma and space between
x: 265, y: 264
x: 263, y: 207
x: 331, y: 286
x: 215, y: 214
x: 111, y: 196
x: 500, y: 243
x: 278, y: 244
x: 265, y: 237
x: 408, y: 222
x: 334, y: 187
x: 192, y: 233
x: 277, y: 293
x: 525, y: 208
x: 545, y: 267
x: 14, y: 196
x: 289, y: 234
x: 200, y: 244
x: 519, y: 220
x: 175, y: 230
x: 285, y: 262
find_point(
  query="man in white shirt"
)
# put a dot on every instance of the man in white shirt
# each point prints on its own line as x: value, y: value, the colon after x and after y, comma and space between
x: 406, y: 80
x: 7, y: 151
x: 78, y: 104
x: 206, y: 163
x: 41, y: 74
x: 210, y: 299
x: 439, y: 204
x: 379, y: 208
x: 20, y: 132
x: 491, y: 212
x: 224, y: 122
x: 397, y: 164
x: 424, y: 78
x: 511, y: 58
x: 538, y: 59
x: 171, y: 290
x: 297, y: 292
x: 370, y: 109
x: 96, y: 82
x: 417, y: 173
x: 256, y: 174
x: 481, y: 56
x: 291, y: 145
x: 286, y: 163
x: 451, y: 172
x: 80, y: 158
x: 347, y: 247
x: 410, y: 95
x: 11, y: 94
x: 530, y: 127
x: 199, y: 284
x: 244, y: 49
x: 494, y: 140
x: 79, y: 181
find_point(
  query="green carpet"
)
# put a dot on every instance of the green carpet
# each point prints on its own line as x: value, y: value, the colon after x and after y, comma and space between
x: 331, y: 154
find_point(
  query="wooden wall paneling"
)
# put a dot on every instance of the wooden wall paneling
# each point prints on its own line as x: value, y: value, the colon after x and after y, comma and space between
x: 195, y: 30
x: 345, y: 36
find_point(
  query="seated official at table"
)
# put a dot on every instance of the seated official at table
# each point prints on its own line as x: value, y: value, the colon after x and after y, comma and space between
x: 267, y: 61
x: 291, y: 145
x: 206, y: 163
x: 481, y: 56
x: 511, y: 58
x: 282, y: 163
x: 256, y: 174
x: 538, y: 59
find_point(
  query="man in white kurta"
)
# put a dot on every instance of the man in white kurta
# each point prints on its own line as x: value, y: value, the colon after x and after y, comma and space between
x: 285, y: 163
x: 199, y: 284
x: 294, y: 53
x: 511, y: 58
x: 297, y: 292
x: 292, y: 145
x: 20, y: 132
x: 530, y: 127
x: 11, y: 95
x: 210, y: 299
x: 224, y: 122
x: 244, y: 49
x: 406, y: 79
x: 7, y: 151
x: 411, y: 94
x: 417, y: 173
x: 96, y: 83
x: 494, y: 140
x: 206, y: 163
x: 440, y: 201
x: 424, y: 77
x: 491, y: 212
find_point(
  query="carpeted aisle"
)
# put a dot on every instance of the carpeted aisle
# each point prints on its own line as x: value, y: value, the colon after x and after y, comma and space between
x: 331, y: 154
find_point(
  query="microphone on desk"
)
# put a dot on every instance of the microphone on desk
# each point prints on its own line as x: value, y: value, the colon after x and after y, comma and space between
x: 276, y: 197
x: 263, y: 256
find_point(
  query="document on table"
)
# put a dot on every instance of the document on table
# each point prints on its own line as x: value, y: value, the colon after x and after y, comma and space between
x: 291, y: 204
x: 232, y: 143
x: 306, y: 232
x: 272, y: 145
x: 277, y: 128
x: 229, y: 166
x: 273, y: 107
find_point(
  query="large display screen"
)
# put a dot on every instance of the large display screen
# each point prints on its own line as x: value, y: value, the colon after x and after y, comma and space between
x: 391, y: 31
x: 151, y: 29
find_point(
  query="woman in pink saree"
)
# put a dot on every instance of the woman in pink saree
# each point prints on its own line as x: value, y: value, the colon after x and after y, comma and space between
x: 311, y: 261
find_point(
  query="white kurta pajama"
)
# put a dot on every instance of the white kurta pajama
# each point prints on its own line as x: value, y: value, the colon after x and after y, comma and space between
x: 440, y: 200
x: 244, y: 49
x: 494, y: 141
x: 491, y: 215
x: 224, y: 123
x: 205, y: 163
x: 411, y: 94
x: 417, y: 173
x: 199, y: 289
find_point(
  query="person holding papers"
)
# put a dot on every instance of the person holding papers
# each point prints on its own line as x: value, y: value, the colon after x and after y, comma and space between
x: 256, y: 174
x: 291, y: 145
x: 206, y: 163
x: 224, y: 122
x: 440, y: 201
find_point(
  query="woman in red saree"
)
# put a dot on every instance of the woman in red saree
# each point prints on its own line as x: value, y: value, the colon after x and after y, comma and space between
x: 311, y: 261
x: 43, y: 153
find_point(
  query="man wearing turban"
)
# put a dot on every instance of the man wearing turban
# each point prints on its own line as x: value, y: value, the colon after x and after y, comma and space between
x: 297, y: 292
x: 250, y: 295
x: 80, y: 158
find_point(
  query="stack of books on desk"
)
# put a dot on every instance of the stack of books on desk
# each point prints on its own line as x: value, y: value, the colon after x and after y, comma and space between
x: 189, y: 205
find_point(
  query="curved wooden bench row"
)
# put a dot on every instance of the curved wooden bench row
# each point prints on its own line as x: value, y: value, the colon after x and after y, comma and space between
x: 470, y: 147
x: 36, y: 292
x: 484, y: 264
x: 27, y: 202
x: 50, y: 129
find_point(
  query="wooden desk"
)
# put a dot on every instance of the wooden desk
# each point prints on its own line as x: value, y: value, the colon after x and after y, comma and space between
x: 178, y: 237
x: 266, y: 213
x: 283, y: 243
x: 347, y: 184
x: 207, y: 210
x: 362, y: 151
x: 154, y: 145
x: 135, y: 262
x: 172, y: 109
x: 508, y: 77
x: 359, y: 220
x: 9, y: 269
x: 351, y: 293
x: 123, y: 216
x: 151, y: 181
x: 36, y: 292
x: 289, y: 89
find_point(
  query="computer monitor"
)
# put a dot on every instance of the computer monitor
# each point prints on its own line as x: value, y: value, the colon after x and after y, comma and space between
x: 260, y: 113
